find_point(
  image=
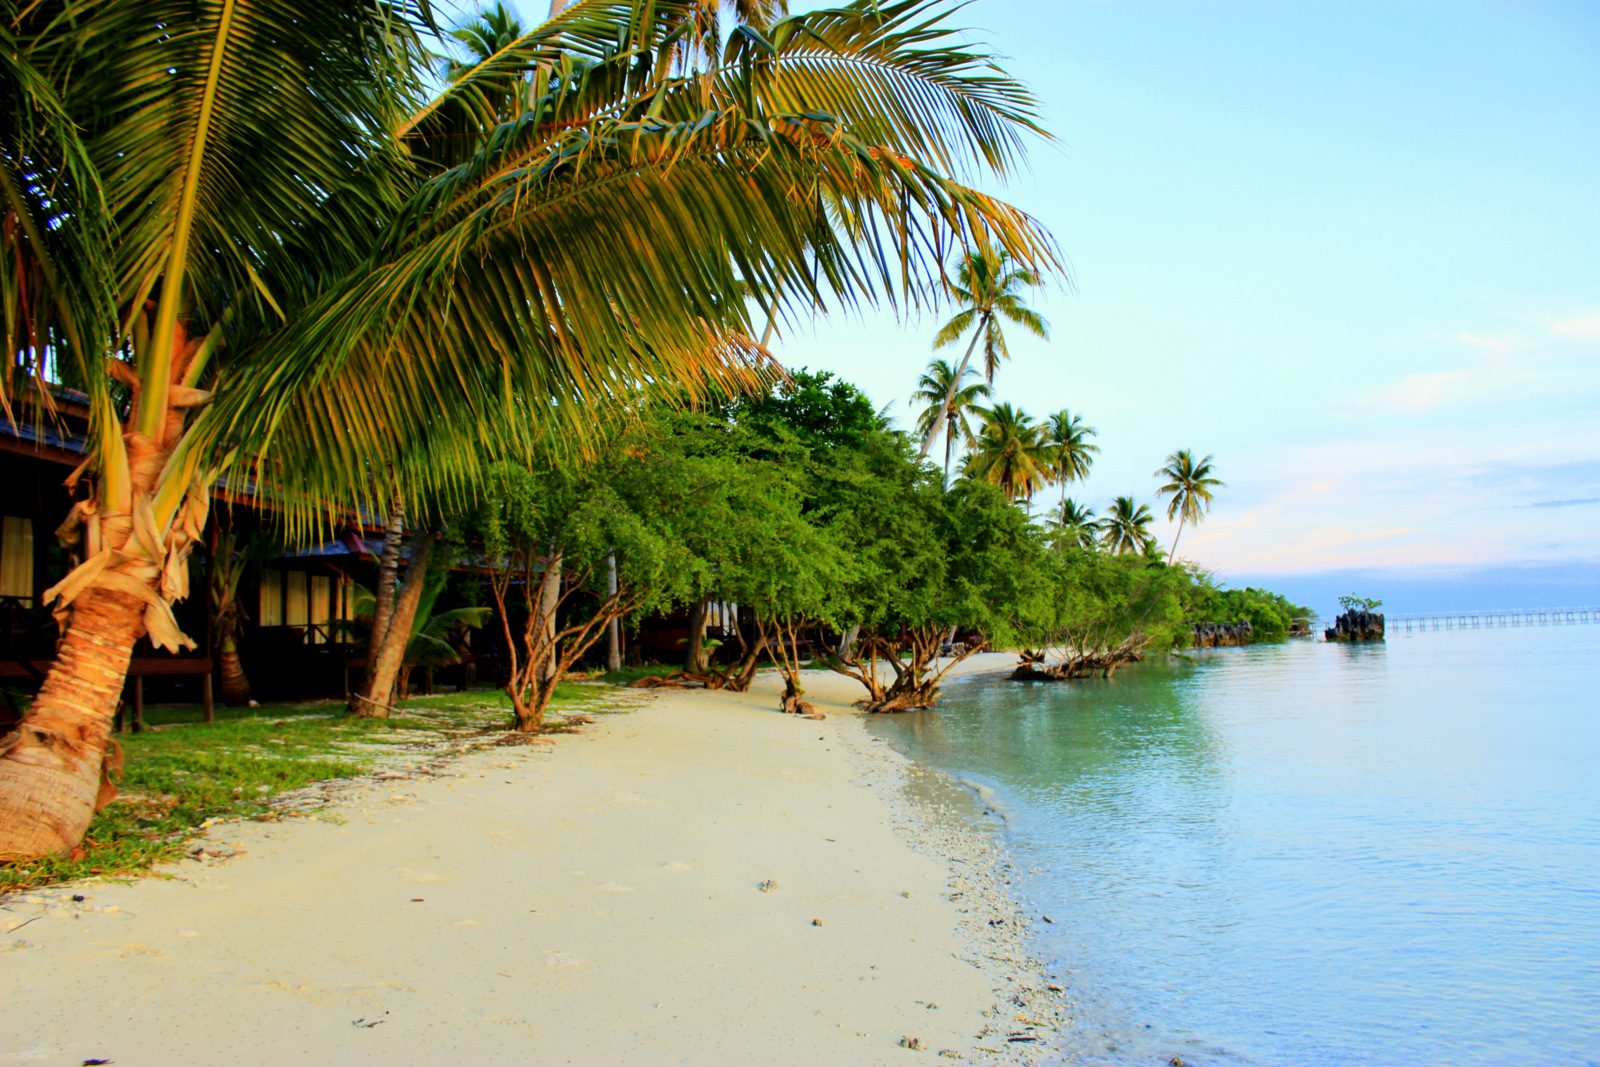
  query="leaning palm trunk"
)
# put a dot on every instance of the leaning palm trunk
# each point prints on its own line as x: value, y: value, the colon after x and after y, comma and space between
x: 137, y: 532
x: 950, y: 396
x: 386, y: 653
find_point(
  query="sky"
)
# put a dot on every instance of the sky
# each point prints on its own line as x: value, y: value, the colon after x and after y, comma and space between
x: 1350, y: 249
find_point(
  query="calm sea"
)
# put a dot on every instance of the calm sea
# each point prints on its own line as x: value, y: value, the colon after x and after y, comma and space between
x: 1307, y: 854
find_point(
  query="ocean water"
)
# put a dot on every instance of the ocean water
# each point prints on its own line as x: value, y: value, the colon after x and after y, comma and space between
x: 1306, y: 854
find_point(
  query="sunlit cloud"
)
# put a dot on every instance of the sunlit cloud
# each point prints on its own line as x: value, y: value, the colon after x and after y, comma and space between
x: 1581, y: 326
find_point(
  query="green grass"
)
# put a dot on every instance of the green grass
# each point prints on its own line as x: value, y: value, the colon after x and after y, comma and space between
x: 186, y: 773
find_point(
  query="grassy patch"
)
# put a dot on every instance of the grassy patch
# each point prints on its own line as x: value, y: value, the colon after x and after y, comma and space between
x: 185, y: 774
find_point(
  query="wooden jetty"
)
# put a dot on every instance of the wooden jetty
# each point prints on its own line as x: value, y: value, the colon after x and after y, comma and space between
x: 1481, y: 620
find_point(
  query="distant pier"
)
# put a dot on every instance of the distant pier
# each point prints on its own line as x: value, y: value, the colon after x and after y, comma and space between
x: 1488, y: 620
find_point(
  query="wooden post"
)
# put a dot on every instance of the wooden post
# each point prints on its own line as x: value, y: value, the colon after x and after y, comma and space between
x: 205, y: 698
x: 138, y: 703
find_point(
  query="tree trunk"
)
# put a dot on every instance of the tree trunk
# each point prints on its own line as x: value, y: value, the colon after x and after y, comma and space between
x: 950, y: 394
x: 695, y: 661
x: 54, y: 770
x: 384, y: 660
x: 235, y: 686
x: 847, y: 640
x: 50, y: 766
x: 614, y: 627
x: 383, y: 592
x: 549, y: 603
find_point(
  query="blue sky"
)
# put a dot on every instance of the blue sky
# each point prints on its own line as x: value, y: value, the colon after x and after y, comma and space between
x: 1351, y: 249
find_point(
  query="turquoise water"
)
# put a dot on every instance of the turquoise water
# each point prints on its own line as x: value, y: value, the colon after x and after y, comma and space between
x: 1307, y: 854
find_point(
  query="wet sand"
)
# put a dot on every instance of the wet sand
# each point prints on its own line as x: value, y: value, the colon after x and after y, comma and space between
x: 701, y: 880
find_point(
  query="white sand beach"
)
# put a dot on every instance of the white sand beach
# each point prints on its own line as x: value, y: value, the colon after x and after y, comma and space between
x: 595, y: 901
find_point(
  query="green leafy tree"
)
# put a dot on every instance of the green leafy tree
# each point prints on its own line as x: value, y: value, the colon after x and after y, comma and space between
x: 1102, y: 611
x: 932, y: 389
x: 584, y: 514
x: 820, y: 410
x: 989, y: 287
x: 268, y: 254
x: 925, y: 563
x: 1189, y: 484
x: 1126, y: 527
x: 1271, y: 616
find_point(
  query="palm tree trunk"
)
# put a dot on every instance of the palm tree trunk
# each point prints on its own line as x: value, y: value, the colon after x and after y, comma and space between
x: 385, y: 659
x: 50, y: 766
x: 1175, y: 542
x: 383, y: 594
x: 235, y: 685
x: 53, y: 765
x: 949, y: 442
x: 950, y: 394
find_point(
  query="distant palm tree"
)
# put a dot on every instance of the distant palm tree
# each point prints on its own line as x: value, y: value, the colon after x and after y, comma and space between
x: 1078, y: 524
x: 1074, y: 455
x: 491, y: 31
x: 932, y: 388
x: 1189, y: 484
x: 988, y: 290
x: 1010, y: 452
x: 1127, y: 527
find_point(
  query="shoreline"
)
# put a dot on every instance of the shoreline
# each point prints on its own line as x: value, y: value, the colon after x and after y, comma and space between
x: 601, y: 900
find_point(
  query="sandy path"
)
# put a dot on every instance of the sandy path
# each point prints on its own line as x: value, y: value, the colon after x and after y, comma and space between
x: 593, y: 903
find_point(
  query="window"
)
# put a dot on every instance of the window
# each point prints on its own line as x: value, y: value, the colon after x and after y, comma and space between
x: 16, y: 558
x: 271, y: 613
x: 321, y: 607
x: 296, y: 603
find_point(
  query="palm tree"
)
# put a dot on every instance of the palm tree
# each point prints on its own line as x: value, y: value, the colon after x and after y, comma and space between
x: 492, y: 30
x: 1189, y: 483
x: 428, y: 642
x: 932, y: 388
x: 989, y: 288
x: 1126, y: 528
x: 1008, y: 452
x: 1078, y: 524
x: 268, y: 256
x: 1074, y: 454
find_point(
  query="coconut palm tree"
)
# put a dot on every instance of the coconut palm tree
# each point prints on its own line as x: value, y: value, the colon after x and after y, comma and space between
x: 269, y: 256
x: 1126, y: 527
x: 988, y: 286
x: 429, y: 641
x: 932, y: 388
x: 1009, y: 452
x: 1189, y: 484
x: 1074, y: 454
x: 1078, y: 524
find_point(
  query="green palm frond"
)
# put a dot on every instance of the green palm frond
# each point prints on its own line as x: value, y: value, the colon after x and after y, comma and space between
x: 392, y: 292
x: 1189, y: 484
x: 1126, y: 527
x: 56, y: 269
x: 519, y: 252
x: 1008, y: 452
